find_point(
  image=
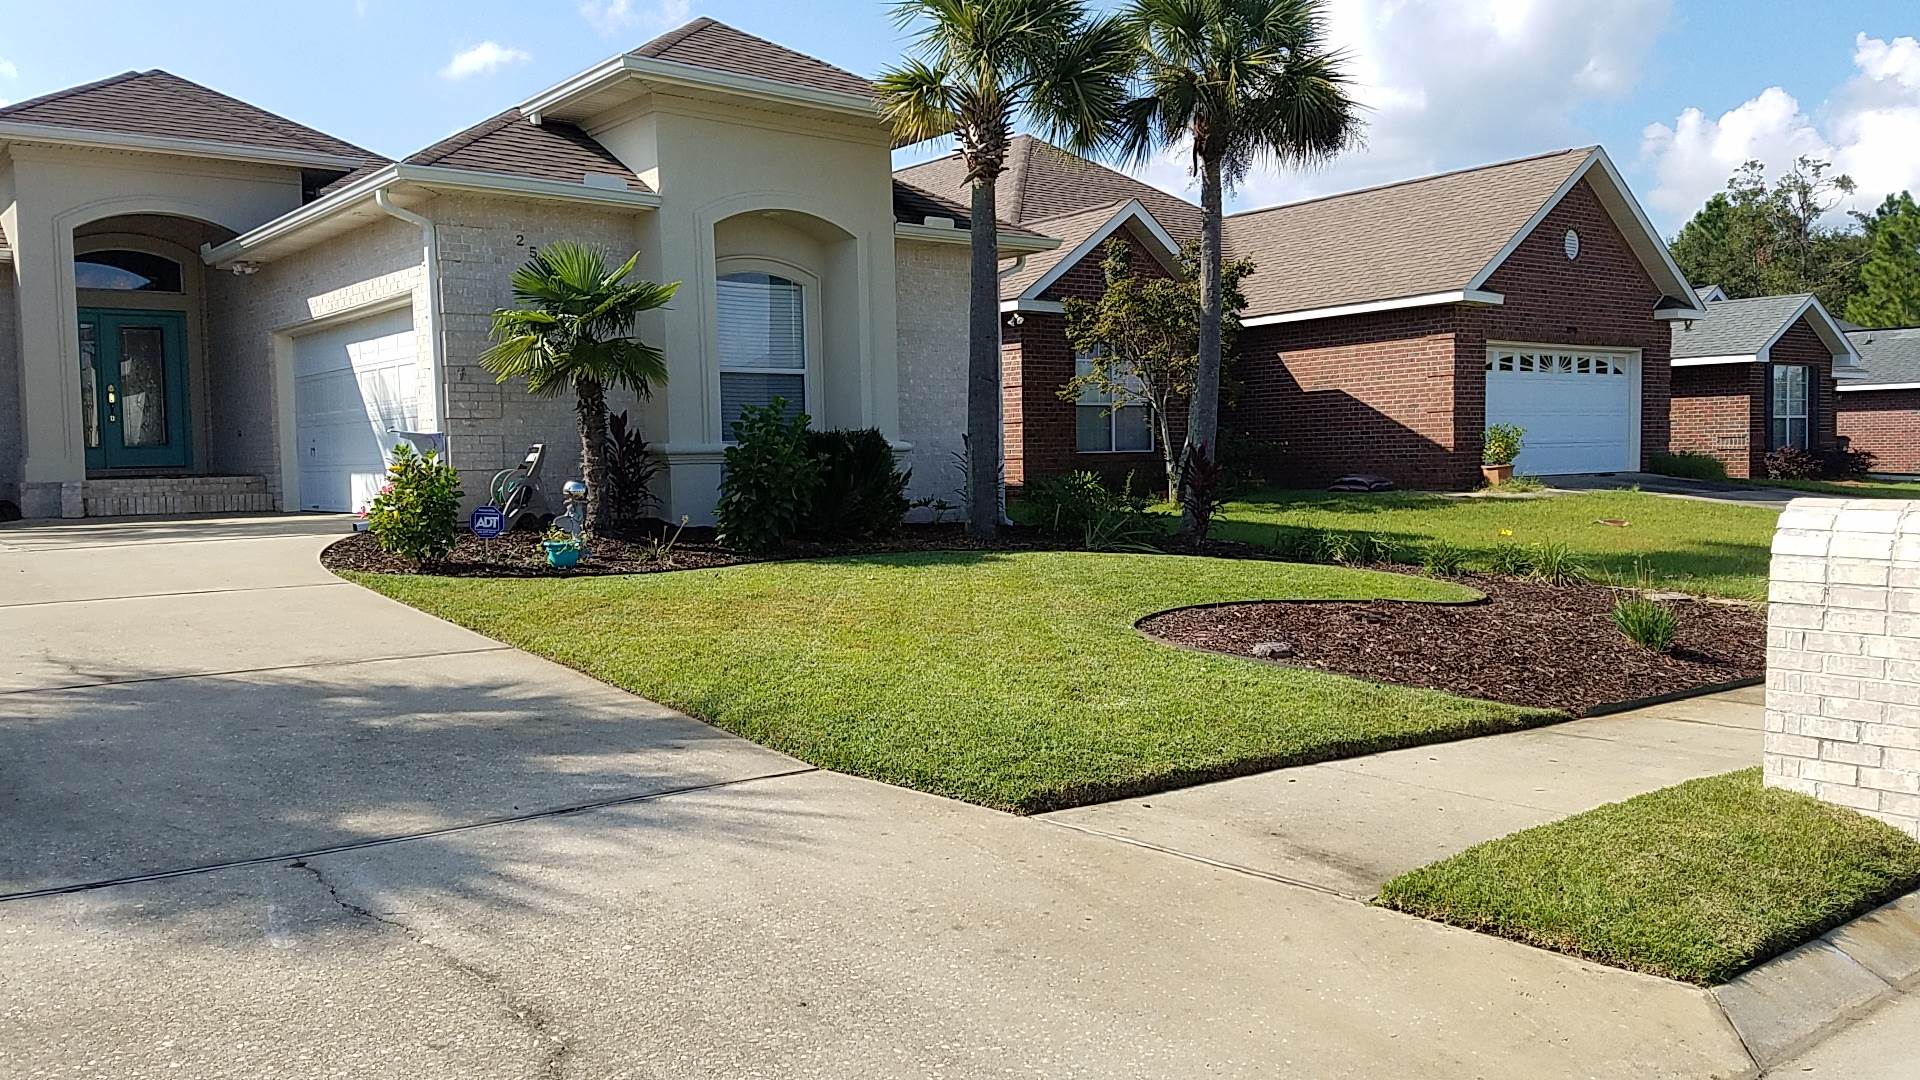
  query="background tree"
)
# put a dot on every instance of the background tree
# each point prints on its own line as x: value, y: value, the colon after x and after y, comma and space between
x: 1237, y: 82
x: 1890, y: 280
x: 574, y: 329
x: 1761, y: 239
x: 976, y: 66
x: 1143, y: 338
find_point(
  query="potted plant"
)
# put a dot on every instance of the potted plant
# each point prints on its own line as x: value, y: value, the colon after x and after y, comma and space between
x: 1499, y: 447
x: 562, y: 548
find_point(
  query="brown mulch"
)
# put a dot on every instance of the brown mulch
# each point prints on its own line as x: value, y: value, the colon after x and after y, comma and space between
x: 1528, y: 643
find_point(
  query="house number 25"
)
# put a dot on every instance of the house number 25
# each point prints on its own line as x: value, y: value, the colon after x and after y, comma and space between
x: 520, y: 240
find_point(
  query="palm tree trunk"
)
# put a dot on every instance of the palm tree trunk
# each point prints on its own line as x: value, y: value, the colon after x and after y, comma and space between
x: 591, y: 410
x: 1203, y: 412
x: 983, y: 368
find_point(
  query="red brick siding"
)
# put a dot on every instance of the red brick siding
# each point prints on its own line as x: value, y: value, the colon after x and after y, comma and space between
x: 1886, y: 422
x: 1802, y: 345
x: 1718, y: 409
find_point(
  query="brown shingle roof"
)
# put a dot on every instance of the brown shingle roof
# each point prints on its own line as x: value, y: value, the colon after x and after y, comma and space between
x: 1043, y: 181
x: 1071, y: 230
x: 509, y: 144
x: 160, y: 104
x: 1409, y: 239
x: 707, y: 43
x: 913, y: 205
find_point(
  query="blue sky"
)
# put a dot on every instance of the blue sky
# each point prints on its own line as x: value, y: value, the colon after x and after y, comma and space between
x: 1450, y: 82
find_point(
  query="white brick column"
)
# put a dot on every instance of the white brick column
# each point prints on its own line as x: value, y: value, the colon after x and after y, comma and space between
x: 1843, y: 656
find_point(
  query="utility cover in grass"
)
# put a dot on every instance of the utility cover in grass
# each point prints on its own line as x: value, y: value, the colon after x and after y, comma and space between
x: 1696, y: 882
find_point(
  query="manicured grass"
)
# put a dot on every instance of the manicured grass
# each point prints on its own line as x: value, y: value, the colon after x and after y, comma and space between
x: 1012, y: 680
x: 1697, y: 882
x: 1850, y: 489
x: 1711, y: 549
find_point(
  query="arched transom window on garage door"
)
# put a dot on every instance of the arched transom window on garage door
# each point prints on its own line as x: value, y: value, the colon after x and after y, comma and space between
x: 1544, y: 362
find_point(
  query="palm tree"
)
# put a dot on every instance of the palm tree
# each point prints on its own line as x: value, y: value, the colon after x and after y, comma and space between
x: 574, y: 330
x: 976, y: 66
x: 1241, y: 81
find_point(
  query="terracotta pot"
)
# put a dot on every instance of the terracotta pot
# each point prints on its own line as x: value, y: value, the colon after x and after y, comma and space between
x: 1497, y: 474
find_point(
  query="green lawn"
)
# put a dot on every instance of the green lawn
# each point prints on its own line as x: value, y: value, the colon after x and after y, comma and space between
x: 1714, y: 549
x: 1012, y: 680
x: 1850, y: 489
x: 1697, y: 882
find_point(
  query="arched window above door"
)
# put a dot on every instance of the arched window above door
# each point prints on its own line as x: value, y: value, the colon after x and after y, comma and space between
x: 122, y: 270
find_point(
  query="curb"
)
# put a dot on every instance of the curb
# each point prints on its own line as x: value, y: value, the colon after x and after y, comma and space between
x: 1789, y: 1003
x: 1672, y: 696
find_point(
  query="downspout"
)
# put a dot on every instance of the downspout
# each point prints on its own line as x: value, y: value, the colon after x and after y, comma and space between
x: 430, y: 260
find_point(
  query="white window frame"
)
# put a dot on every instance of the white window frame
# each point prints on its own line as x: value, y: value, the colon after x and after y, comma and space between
x: 1111, y: 404
x: 811, y: 336
x: 1804, y: 416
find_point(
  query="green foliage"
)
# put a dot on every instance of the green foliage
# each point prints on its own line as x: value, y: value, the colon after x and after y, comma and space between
x: 631, y: 470
x: 1079, y: 503
x: 1647, y: 623
x: 1793, y: 463
x: 416, y: 516
x: 1518, y: 484
x: 1510, y: 559
x: 1761, y: 239
x: 1688, y: 464
x: 1354, y: 548
x: 1555, y: 563
x: 1501, y: 444
x: 769, y: 481
x: 1443, y: 559
x: 863, y: 490
x: 1296, y: 543
x: 1890, y: 280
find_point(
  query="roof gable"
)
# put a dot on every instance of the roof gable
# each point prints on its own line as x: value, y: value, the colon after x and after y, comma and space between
x: 1043, y: 182
x: 508, y: 143
x: 1081, y: 235
x: 708, y: 43
x: 1745, y: 330
x: 159, y: 104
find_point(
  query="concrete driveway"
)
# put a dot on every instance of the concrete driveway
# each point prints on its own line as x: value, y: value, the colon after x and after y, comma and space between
x: 333, y: 836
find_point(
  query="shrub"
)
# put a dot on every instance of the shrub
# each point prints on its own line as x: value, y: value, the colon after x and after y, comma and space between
x: 1518, y: 484
x: 631, y: 467
x: 417, y: 515
x: 1843, y: 462
x: 1501, y: 444
x: 1354, y: 549
x: 1556, y: 564
x: 1298, y: 543
x: 863, y: 490
x: 770, y: 480
x: 1064, y: 503
x: 1443, y: 559
x: 1689, y: 465
x: 1646, y: 623
x: 1511, y: 559
x: 1793, y: 463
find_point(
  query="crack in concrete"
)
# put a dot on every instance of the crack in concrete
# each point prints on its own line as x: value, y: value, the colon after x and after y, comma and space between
x: 554, y: 1045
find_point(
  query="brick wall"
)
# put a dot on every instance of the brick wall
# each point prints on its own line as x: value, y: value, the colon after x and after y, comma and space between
x: 1801, y: 345
x: 1886, y: 422
x: 1843, y: 656
x: 10, y: 447
x: 1718, y: 409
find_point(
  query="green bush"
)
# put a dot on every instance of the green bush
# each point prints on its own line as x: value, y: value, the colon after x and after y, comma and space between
x: 1501, y: 444
x: 416, y: 516
x: 1298, y: 543
x: 1443, y: 559
x: 1511, y: 559
x: 1794, y: 463
x: 1517, y: 484
x: 1689, y: 465
x: 863, y: 490
x: 770, y: 480
x: 1556, y: 564
x: 1646, y: 623
x: 631, y: 469
x: 1354, y: 548
x: 1079, y: 504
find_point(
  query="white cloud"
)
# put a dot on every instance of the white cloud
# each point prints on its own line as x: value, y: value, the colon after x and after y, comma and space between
x: 483, y: 59
x: 7, y: 70
x: 609, y: 17
x: 1867, y: 128
x: 1452, y: 83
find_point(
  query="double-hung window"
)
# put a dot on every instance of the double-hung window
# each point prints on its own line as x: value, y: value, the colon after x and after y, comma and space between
x: 763, y: 344
x: 1789, y: 411
x: 1111, y: 423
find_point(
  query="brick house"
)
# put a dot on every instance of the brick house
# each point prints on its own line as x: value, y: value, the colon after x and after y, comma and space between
x: 1880, y: 411
x: 1756, y: 375
x: 208, y: 307
x: 1385, y: 328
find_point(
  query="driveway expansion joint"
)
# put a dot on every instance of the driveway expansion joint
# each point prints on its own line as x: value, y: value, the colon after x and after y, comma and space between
x: 1218, y: 864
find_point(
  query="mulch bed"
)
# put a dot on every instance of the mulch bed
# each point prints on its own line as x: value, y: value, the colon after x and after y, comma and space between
x: 1528, y: 643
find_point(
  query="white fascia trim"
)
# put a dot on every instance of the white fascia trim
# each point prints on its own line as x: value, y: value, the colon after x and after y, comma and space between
x: 160, y: 144
x: 941, y: 234
x: 1598, y: 159
x: 6, y: 255
x: 1050, y: 307
x: 1850, y: 387
x: 1132, y: 210
x: 1844, y: 354
x: 1461, y: 296
x: 1702, y: 361
x: 1679, y: 315
x: 426, y: 176
x: 700, y: 78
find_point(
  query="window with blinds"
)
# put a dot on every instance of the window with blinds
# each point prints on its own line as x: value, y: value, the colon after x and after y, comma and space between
x: 763, y: 345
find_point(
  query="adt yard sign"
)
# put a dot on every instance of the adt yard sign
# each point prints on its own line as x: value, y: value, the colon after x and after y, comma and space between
x: 489, y: 522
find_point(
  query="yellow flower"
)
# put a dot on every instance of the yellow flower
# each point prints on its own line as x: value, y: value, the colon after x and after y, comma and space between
x: 1506, y: 532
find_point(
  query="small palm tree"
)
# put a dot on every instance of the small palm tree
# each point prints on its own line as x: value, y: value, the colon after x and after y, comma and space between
x: 1241, y: 81
x: 574, y: 330
x: 976, y: 66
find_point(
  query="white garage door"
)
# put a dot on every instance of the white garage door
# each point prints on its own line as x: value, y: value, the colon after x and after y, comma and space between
x: 1581, y: 407
x: 353, y: 383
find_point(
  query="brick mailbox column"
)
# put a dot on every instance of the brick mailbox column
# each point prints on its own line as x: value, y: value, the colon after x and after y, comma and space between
x: 1843, y: 656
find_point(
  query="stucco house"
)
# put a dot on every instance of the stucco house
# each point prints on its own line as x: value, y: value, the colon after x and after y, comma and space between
x: 1755, y: 375
x: 1880, y: 411
x: 204, y: 306
x: 1385, y: 328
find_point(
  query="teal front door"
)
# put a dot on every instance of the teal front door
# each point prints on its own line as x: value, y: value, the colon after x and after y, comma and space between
x: 133, y: 389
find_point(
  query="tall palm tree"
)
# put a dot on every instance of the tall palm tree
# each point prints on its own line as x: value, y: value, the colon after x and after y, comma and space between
x: 1241, y: 81
x: 573, y: 329
x: 976, y: 66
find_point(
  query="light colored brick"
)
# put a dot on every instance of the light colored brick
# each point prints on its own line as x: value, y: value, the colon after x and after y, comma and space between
x: 1802, y: 616
x: 1896, y: 780
x: 1804, y: 542
x: 1851, y: 753
x: 1864, y: 667
x: 1844, y: 621
x: 1796, y: 568
x: 1850, y: 709
x: 1905, y: 736
x: 1796, y: 592
x: 1861, y: 546
x: 1857, y: 572
x: 1877, y: 519
x: 1900, y: 804
x: 1844, y: 793
x: 1792, y: 745
x: 1901, y: 759
x: 1830, y: 727
x: 1857, y: 596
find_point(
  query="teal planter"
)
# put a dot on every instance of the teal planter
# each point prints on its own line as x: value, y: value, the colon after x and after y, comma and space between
x: 562, y: 554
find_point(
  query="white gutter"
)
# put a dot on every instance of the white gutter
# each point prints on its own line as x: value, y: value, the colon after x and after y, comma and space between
x: 430, y: 262
x: 1703, y: 361
x: 61, y: 135
x: 1851, y: 387
x: 1052, y: 307
x: 670, y: 73
x: 1460, y: 296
